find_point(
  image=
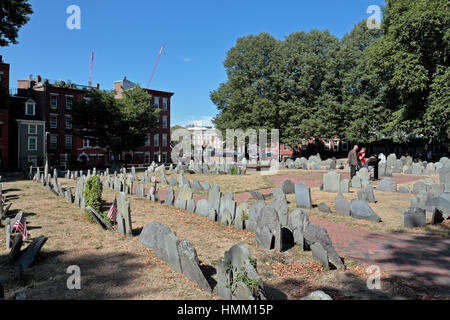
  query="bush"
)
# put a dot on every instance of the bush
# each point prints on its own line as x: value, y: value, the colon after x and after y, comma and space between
x: 234, y: 170
x: 93, y: 195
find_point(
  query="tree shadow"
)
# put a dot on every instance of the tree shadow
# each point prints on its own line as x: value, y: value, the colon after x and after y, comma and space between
x: 209, y: 271
x: 11, y: 190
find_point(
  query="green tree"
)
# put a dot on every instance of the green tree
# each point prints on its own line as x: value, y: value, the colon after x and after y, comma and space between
x: 411, y: 63
x: 14, y: 14
x: 93, y: 195
x: 365, y: 112
x: 118, y: 124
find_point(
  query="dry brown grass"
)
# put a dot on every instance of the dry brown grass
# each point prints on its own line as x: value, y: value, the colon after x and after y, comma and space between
x: 116, y: 267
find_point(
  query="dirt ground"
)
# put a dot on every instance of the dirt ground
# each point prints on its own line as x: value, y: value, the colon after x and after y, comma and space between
x: 117, y: 267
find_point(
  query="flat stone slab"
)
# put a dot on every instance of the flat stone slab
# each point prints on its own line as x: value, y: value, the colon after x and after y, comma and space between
x: 29, y: 254
x: 414, y: 217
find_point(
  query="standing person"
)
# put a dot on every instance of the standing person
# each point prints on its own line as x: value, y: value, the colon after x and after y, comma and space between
x: 353, y: 161
x: 362, y: 158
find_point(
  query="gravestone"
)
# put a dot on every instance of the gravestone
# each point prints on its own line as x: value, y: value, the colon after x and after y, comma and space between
x: 303, y: 196
x: 123, y: 208
x: 214, y: 196
x: 287, y: 186
x: 367, y: 194
x: 414, y: 217
x: 202, y: 207
x: 257, y: 195
x: 319, y: 254
x: 170, y: 197
x: 29, y: 254
x: 387, y: 184
x: 341, y: 205
x: 360, y: 209
x: 298, y: 220
x: 344, y: 187
x: 323, y: 208
x: 280, y: 204
x: 331, y: 182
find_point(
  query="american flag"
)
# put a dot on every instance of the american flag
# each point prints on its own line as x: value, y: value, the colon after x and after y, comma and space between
x: 21, y: 226
x: 112, y: 213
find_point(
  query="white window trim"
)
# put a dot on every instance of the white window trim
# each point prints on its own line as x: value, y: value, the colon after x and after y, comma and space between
x: 157, y: 105
x: 71, y: 142
x: 26, y: 108
x: 35, y: 144
x: 156, y: 140
x: 164, y: 141
x: 50, y: 144
x: 29, y: 129
x: 71, y: 97
x: 71, y: 125
x: 53, y: 116
x: 166, y: 105
x: 51, y: 96
x: 166, y: 123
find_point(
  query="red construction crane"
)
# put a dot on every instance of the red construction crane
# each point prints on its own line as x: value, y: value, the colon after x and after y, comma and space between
x: 92, y: 69
x: 155, y: 66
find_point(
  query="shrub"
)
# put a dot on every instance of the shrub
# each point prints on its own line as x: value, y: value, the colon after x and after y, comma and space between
x: 93, y: 195
x: 234, y: 170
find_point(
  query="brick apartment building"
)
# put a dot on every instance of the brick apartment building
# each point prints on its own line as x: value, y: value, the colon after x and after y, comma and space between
x: 63, y: 145
x: 4, y: 113
x: 157, y: 146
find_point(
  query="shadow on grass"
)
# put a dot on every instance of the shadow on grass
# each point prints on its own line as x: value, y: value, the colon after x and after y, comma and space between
x: 103, y: 276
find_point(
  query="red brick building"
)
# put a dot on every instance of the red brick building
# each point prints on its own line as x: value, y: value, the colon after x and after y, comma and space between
x: 65, y: 147
x: 4, y: 113
x: 157, y: 146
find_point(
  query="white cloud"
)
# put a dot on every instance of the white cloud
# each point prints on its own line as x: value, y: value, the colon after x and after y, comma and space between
x: 186, y: 59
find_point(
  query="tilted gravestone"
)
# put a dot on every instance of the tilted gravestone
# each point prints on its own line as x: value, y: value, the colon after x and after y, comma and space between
x: 29, y: 254
x: 360, y: 209
x: 170, y: 197
x: 180, y: 255
x: 237, y: 276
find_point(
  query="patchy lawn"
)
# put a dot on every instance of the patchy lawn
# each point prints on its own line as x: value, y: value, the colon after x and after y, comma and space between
x: 116, y: 267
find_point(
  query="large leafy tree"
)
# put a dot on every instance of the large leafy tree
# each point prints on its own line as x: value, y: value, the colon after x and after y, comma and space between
x: 250, y: 97
x: 411, y: 62
x: 118, y: 124
x: 360, y: 93
x: 14, y: 14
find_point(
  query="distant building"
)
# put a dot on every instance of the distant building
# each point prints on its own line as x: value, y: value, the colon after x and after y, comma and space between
x: 4, y: 114
x: 157, y: 146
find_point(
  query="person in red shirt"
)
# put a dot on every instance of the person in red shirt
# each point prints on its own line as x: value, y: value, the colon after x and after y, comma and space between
x: 362, y: 158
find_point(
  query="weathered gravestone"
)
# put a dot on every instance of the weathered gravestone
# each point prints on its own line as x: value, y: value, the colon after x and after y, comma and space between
x: 303, y: 196
x: 331, y: 182
x: 170, y: 197
x: 414, y: 217
x: 387, y: 184
x: 237, y: 276
x: 287, y: 186
x: 341, y: 205
x: 360, y: 209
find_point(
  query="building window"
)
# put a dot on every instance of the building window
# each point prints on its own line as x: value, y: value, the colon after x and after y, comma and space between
x: 164, y: 122
x: 30, y: 109
x: 32, y: 129
x: 32, y: 143
x: 156, y: 102
x: 156, y: 140
x: 336, y: 145
x: 53, y: 122
x: 86, y: 143
x: 69, y: 102
x: 344, y: 146
x: 53, y: 142
x: 164, y: 140
x: 69, y: 122
x: 147, y: 141
x: 54, y: 101
x: 164, y: 157
x: 165, y: 104
x: 147, y: 157
x: 156, y: 157
x: 1, y: 79
x: 32, y: 160
x: 327, y: 145
x: 68, y: 142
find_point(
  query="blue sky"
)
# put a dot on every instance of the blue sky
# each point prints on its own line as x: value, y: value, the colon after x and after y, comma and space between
x: 126, y: 37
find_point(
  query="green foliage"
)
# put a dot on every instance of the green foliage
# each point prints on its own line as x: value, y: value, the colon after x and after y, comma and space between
x: 118, y: 124
x: 372, y: 84
x: 93, y: 195
x: 233, y: 170
x: 14, y: 14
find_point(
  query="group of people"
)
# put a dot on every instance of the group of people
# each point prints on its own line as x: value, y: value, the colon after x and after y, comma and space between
x: 357, y: 160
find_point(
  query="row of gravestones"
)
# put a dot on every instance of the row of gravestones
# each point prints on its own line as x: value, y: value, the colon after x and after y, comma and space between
x: 123, y: 220
x: 388, y: 166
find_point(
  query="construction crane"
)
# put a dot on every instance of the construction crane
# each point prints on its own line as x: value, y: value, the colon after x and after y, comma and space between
x: 155, y: 66
x: 91, y: 73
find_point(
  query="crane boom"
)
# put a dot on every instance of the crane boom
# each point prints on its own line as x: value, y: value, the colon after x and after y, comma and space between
x: 155, y: 66
x: 91, y: 73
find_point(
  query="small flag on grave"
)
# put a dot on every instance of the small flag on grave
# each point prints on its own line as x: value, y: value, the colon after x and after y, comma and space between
x: 112, y: 212
x: 21, y: 226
